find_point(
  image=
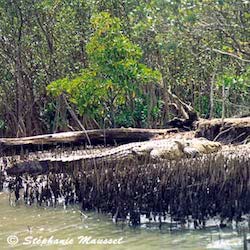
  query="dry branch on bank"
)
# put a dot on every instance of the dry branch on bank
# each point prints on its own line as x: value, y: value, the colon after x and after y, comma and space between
x: 230, y: 130
x: 97, y: 136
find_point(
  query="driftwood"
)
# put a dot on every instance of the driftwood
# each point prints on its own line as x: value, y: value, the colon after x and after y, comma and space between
x: 230, y: 130
x: 189, y: 115
x: 97, y: 136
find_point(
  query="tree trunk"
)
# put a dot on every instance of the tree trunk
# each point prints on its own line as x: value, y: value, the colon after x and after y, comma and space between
x: 212, y: 97
x: 223, y: 103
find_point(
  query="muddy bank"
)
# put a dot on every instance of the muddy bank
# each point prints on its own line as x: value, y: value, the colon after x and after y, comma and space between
x: 215, y: 185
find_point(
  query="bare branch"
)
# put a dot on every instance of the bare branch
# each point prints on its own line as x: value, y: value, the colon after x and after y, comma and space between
x: 230, y: 54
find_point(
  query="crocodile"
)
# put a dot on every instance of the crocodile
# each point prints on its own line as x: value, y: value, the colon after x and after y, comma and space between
x: 170, y: 149
x: 146, y: 148
x: 163, y: 148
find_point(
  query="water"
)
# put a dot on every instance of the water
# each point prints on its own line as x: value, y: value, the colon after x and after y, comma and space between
x: 58, y: 224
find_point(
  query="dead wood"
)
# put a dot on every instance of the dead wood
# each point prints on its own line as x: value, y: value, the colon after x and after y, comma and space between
x: 189, y: 115
x: 96, y: 136
x: 230, y: 130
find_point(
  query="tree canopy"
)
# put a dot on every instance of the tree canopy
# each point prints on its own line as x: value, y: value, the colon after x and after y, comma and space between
x: 114, y: 76
x: 113, y: 63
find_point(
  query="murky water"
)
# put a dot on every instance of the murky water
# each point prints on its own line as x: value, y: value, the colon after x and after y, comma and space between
x: 25, y: 227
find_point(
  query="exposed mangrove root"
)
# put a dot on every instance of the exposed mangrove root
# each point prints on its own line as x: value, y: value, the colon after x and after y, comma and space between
x: 51, y: 189
x: 200, y: 188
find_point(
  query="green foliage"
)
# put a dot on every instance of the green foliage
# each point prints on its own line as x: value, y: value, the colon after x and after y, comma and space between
x: 2, y: 125
x: 114, y: 77
x: 192, y: 43
x: 239, y: 83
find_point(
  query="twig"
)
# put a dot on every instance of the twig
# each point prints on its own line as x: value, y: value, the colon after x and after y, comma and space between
x: 74, y: 116
x: 237, y: 137
x: 230, y: 54
x: 221, y: 133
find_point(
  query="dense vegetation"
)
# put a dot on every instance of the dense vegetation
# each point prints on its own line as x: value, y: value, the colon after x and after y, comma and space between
x: 65, y: 64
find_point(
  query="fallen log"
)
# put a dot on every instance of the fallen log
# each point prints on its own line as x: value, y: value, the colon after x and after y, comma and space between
x: 230, y: 130
x: 98, y: 136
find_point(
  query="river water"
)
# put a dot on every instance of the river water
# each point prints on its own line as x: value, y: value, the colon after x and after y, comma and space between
x: 32, y: 227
